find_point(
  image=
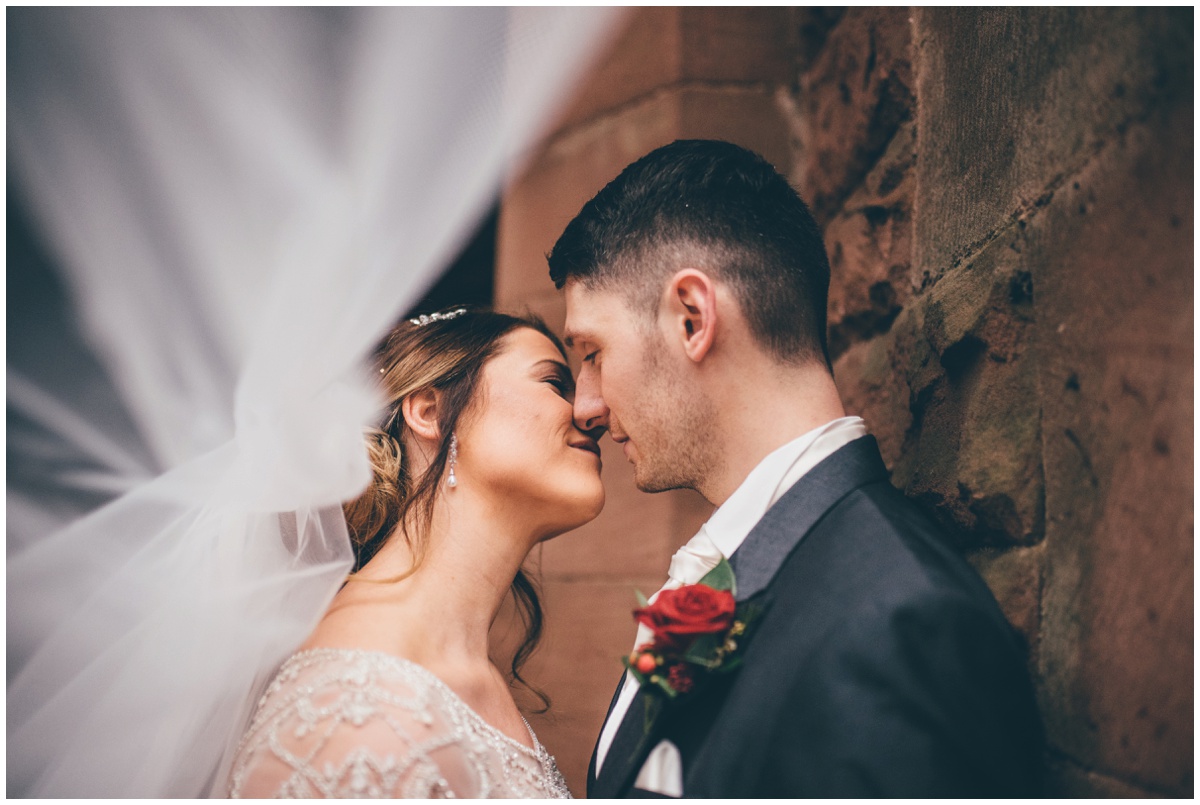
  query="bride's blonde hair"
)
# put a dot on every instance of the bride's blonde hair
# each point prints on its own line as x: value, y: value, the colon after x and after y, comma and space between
x: 446, y: 353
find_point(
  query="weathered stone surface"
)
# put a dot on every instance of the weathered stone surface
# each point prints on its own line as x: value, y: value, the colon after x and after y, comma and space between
x: 1014, y: 99
x: 813, y: 24
x: 951, y: 393
x: 975, y: 448
x: 869, y: 242
x: 1069, y: 780
x: 851, y: 102
x: 872, y: 384
x: 1015, y: 578
x: 1115, y: 324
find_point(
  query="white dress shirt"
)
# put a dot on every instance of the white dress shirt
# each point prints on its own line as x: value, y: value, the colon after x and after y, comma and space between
x: 727, y: 528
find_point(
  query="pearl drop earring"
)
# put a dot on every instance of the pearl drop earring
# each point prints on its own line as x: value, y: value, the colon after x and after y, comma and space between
x: 452, y: 479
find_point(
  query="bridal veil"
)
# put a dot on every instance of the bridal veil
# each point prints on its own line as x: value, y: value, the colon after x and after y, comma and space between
x: 223, y: 210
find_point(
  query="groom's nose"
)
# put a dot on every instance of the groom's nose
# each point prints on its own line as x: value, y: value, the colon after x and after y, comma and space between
x: 591, y: 413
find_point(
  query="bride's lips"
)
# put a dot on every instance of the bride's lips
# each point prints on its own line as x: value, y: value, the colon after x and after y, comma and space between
x: 588, y: 445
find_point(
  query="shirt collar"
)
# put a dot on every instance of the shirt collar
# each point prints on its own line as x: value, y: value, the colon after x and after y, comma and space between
x: 774, y: 475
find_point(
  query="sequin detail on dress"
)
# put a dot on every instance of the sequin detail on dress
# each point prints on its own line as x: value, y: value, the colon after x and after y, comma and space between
x: 348, y: 724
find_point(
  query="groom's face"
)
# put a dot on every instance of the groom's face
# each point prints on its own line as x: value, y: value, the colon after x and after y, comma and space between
x: 627, y: 385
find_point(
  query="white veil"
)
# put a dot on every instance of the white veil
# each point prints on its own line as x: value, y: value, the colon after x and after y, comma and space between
x: 234, y: 205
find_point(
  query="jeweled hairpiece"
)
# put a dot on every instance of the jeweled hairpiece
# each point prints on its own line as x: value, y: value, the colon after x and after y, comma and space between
x: 426, y: 318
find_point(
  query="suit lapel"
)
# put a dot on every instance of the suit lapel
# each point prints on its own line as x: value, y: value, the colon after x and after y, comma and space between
x: 591, y: 772
x: 755, y: 563
x: 629, y: 747
x: 780, y: 530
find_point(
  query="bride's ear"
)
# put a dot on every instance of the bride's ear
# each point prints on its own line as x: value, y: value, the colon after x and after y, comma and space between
x: 420, y: 411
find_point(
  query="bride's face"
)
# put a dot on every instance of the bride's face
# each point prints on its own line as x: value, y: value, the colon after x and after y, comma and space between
x: 520, y: 442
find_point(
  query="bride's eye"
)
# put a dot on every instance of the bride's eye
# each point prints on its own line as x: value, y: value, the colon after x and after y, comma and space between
x: 564, y: 386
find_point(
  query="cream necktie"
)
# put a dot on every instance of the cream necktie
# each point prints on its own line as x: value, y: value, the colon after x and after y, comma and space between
x: 689, y: 564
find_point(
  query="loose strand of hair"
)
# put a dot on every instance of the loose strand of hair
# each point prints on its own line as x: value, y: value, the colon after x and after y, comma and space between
x: 529, y: 607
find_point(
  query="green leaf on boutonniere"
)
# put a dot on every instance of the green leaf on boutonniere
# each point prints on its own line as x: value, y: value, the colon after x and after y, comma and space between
x: 721, y: 577
x: 732, y: 663
x: 665, y: 686
x: 701, y: 651
x: 642, y: 600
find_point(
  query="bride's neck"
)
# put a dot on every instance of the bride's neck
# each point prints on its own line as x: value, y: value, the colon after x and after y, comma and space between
x: 441, y: 614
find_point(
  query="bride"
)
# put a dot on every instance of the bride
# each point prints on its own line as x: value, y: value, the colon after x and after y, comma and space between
x: 476, y: 461
x: 223, y: 211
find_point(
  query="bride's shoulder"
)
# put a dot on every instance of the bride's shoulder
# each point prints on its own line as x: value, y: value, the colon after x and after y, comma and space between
x: 346, y: 722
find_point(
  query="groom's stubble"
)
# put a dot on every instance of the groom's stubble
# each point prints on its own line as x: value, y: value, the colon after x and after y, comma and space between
x: 676, y: 422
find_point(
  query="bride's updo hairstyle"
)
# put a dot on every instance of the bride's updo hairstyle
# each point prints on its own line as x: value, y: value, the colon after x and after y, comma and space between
x: 446, y: 352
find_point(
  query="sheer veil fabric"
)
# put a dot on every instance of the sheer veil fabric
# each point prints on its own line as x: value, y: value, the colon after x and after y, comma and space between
x: 234, y: 205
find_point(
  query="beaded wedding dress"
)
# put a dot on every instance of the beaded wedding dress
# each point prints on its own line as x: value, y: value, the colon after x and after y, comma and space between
x: 349, y: 723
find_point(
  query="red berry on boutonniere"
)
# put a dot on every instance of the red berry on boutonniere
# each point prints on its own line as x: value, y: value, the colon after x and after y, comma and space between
x: 680, y: 678
x: 698, y: 630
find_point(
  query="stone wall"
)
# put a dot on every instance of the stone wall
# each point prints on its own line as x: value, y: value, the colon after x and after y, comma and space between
x: 1007, y: 202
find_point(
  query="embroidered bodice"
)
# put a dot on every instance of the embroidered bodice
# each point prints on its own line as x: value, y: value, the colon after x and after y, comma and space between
x: 350, y: 723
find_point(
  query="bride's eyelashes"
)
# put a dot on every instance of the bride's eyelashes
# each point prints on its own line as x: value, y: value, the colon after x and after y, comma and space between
x: 564, y: 388
x: 561, y: 379
x: 590, y: 357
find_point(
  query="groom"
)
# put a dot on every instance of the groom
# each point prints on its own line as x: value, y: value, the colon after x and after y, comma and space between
x: 696, y: 287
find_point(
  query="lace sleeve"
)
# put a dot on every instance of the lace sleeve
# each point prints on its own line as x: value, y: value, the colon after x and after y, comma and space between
x: 337, y: 724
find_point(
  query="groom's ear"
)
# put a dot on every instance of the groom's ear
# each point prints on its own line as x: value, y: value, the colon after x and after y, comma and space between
x: 692, y: 311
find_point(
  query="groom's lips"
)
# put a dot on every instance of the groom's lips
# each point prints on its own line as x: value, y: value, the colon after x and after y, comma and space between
x: 624, y: 442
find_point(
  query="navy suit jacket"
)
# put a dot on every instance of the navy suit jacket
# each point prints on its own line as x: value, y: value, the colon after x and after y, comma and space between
x: 880, y: 667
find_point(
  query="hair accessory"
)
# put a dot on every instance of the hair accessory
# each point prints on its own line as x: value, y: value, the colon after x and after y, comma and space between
x: 426, y: 318
x: 452, y: 480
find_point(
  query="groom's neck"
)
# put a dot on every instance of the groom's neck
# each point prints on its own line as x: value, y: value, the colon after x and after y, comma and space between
x: 759, y: 411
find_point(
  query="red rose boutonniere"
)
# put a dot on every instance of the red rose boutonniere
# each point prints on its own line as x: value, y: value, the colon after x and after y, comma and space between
x: 698, y: 630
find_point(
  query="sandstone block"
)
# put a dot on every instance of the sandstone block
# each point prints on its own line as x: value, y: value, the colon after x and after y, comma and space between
x: 1115, y: 322
x: 666, y: 48
x: 872, y: 385
x: 574, y: 167
x: 645, y: 55
x: 751, y: 118
x: 568, y: 171
x: 1013, y: 98
x: 589, y: 627
x: 1015, y: 578
x: 951, y: 392
x: 851, y: 102
x: 869, y: 243
x: 743, y: 45
x: 1069, y: 780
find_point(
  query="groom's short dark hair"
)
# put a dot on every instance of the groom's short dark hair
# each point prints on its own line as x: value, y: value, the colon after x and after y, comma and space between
x: 717, y: 207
